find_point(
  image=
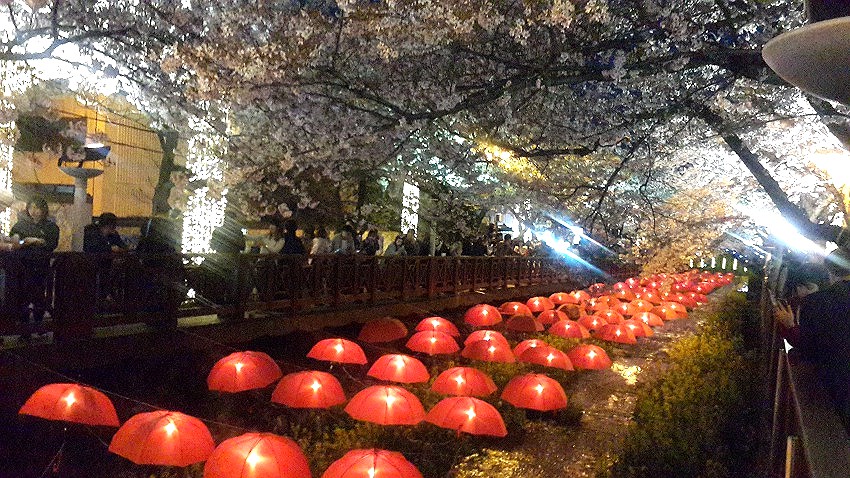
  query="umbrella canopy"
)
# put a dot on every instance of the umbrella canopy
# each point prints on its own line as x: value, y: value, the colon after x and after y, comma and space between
x: 559, y: 298
x: 649, y: 296
x: 548, y: 317
x: 524, y: 323
x: 482, y: 315
x: 432, y: 343
x: 339, y: 351
x: 488, y: 351
x: 514, y: 308
x: 638, y: 328
x: 573, y: 311
x: 464, y: 381
x: 468, y: 415
x: 597, y: 304
x: 680, y: 310
x: 642, y: 305
x: 666, y: 313
x: 438, y: 324
x: 527, y: 344
x: 589, y: 357
x: 547, y: 356
x: 386, y: 405
x: 163, y: 438
x: 71, y: 402
x: 399, y: 368
x: 611, y: 316
x: 385, y: 329
x: 539, y: 304
x: 242, y: 371
x: 699, y: 298
x: 257, y: 455
x: 569, y: 329
x: 372, y: 463
x: 649, y: 319
x: 624, y: 294
x: 535, y: 392
x: 579, y: 296
x: 490, y: 335
x: 310, y: 389
x: 592, y: 322
x: 616, y: 333
x: 626, y: 309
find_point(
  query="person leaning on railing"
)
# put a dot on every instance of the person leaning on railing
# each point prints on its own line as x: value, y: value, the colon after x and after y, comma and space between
x: 823, y: 333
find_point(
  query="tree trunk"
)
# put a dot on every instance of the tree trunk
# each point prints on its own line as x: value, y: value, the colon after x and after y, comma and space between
x: 168, y: 143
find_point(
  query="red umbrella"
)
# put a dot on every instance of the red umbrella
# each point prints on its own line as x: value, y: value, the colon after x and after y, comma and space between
x: 548, y: 317
x: 372, y: 463
x: 482, y: 315
x: 559, y: 298
x: 524, y: 323
x: 527, y: 344
x: 432, y: 343
x: 535, y: 392
x: 649, y: 319
x: 626, y: 309
x: 666, y: 313
x: 610, y: 316
x: 592, y: 322
x: 339, y: 351
x: 468, y: 415
x: 573, y: 311
x: 386, y: 405
x: 464, y: 381
x: 438, y: 324
x: 642, y: 305
x: 399, y: 368
x: 163, y: 438
x: 597, y: 304
x: 680, y: 310
x: 569, y: 329
x: 242, y: 371
x: 579, y: 296
x: 257, y: 455
x: 638, y: 328
x: 514, y: 308
x: 699, y: 298
x: 310, y: 389
x: 547, y: 356
x: 490, y: 335
x: 70, y: 402
x: 488, y: 351
x: 650, y: 296
x: 386, y: 329
x: 624, y: 294
x: 616, y: 333
x: 539, y: 304
x: 589, y: 357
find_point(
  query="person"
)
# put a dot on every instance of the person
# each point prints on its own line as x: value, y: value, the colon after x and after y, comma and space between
x: 321, y: 244
x: 102, y: 235
x: 274, y: 241
x: 411, y: 247
x: 343, y: 241
x: 371, y: 245
x: 39, y: 238
x: 292, y: 244
x: 228, y: 240
x: 396, y: 248
x: 161, y: 276
x: 824, y: 331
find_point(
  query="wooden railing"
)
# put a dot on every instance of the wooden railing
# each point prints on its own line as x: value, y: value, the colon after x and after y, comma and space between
x: 808, y: 439
x: 86, y: 290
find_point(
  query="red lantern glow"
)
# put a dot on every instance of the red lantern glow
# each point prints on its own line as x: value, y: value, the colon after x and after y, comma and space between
x: 559, y: 298
x: 70, y: 402
x: 386, y: 329
x: 310, y: 389
x: 242, y: 371
x: 626, y: 309
x: 488, y: 351
x: 527, y: 344
x: 535, y: 392
x: 610, y: 316
x: 523, y: 323
x: 482, y: 315
x: 163, y: 438
x: 539, y: 304
x: 514, y: 308
x: 339, y: 351
x: 386, y: 405
x: 592, y: 322
x: 399, y: 368
x: 548, y: 317
x: 649, y: 319
x: 547, y: 356
x: 438, y: 324
x: 468, y: 415
x: 569, y: 329
x: 257, y: 455
x: 618, y: 333
x: 466, y: 381
x: 489, y: 335
x: 432, y: 343
x: 642, y: 305
x: 638, y: 328
x: 372, y: 463
x: 589, y: 357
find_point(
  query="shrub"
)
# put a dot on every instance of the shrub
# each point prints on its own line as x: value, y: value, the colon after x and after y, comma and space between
x: 698, y: 420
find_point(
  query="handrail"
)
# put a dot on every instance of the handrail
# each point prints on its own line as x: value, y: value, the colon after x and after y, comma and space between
x: 85, y: 291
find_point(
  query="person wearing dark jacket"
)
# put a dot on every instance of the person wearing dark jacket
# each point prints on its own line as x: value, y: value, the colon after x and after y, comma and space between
x: 38, y: 239
x: 291, y: 243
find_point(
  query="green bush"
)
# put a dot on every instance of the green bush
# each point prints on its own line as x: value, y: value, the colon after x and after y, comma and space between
x: 699, y: 419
